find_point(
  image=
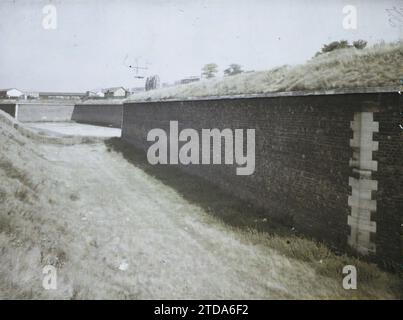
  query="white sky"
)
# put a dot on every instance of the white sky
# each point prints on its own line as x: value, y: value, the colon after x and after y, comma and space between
x: 95, y: 41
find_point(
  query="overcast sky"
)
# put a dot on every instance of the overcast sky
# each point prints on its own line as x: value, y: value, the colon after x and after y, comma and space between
x: 95, y: 41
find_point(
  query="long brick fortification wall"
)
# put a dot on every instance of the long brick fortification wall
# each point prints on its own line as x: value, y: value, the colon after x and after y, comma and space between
x: 331, y: 164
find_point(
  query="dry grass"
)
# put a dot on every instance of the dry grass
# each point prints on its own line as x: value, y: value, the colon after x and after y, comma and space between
x: 326, y: 263
x: 373, y: 283
x: 377, y: 66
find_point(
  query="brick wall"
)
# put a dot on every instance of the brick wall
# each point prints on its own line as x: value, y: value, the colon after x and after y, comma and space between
x: 389, y: 214
x: 303, y: 160
x: 99, y: 114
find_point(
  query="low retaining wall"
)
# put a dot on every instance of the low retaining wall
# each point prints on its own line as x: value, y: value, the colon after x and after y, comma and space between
x: 99, y: 114
x: 329, y: 164
x: 103, y: 113
x: 44, y: 111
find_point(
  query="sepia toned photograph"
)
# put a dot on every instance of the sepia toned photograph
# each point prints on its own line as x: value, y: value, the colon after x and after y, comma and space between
x: 201, y: 150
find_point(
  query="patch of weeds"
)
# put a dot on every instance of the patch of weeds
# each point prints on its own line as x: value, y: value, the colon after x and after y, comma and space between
x: 74, y: 197
x: 21, y: 194
x: 5, y: 224
x: 3, y: 196
x: 36, y: 186
x: 15, y: 139
x: 326, y: 263
x: 53, y: 256
x: 15, y: 173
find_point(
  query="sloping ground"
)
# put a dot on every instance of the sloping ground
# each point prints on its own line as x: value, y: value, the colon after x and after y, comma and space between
x: 113, y: 231
x: 377, y: 66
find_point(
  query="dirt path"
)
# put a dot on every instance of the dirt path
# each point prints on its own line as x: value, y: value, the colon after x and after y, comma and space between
x: 171, y: 248
x: 123, y: 216
x: 114, y: 231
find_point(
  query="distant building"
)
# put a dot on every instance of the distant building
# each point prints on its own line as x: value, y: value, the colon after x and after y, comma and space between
x: 115, y: 92
x: 90, y: 94
x: 100, y: 94
x: 62, y: 95
x: 31, y: 95
x: 11, y: 93
x: 188, y: 80
x: 95, y: 94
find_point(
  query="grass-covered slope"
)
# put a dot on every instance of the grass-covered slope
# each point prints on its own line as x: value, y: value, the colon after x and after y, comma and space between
x: 377, y: 66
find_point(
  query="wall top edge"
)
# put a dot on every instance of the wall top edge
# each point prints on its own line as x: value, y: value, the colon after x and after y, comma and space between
x: 62, y: 102
x: 7, y: 101
x: 35, y: 102
x: 390, y: 89
x: 101, y: 102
